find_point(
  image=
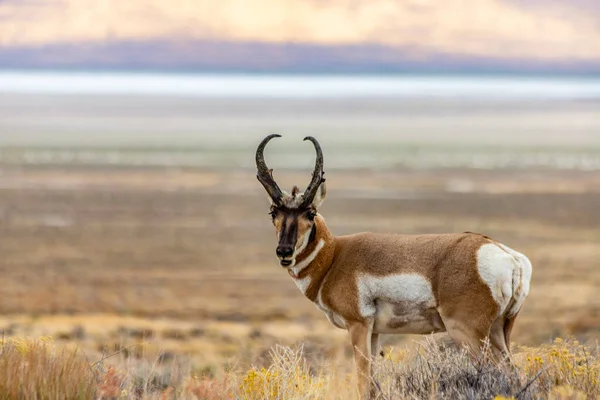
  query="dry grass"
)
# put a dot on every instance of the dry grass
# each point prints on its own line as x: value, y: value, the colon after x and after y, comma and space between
x: 180, y: 263
x: 539, y: 372
x: 36, y: 369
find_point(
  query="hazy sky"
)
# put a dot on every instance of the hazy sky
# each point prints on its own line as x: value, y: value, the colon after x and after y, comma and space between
x: 545, y: 29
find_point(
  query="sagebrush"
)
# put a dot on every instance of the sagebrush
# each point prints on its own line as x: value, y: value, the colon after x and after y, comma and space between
x: 563, y: 369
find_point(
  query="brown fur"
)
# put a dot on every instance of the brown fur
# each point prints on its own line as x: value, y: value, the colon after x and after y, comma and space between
x: 464, y: 304
x: 449, y: 261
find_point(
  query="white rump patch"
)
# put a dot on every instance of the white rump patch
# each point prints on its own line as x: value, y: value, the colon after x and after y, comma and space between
x: 496, y: 268
x: 521, y: 279
x: 401, y: 288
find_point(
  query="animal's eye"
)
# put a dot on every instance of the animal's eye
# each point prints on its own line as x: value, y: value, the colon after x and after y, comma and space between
x: 273, y: 214
x: 311, y: 215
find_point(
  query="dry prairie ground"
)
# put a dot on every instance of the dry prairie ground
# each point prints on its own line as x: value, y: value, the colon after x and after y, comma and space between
x: 183, y: 259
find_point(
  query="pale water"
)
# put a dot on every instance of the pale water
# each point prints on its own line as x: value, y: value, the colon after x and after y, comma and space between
x: 203, y: 120
x: 300, y: 86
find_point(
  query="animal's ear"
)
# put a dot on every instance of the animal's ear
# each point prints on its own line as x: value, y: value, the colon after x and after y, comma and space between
x: 319, y: 196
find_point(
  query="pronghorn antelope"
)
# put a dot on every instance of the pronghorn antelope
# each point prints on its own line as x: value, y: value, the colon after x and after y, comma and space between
x: 370, y: 284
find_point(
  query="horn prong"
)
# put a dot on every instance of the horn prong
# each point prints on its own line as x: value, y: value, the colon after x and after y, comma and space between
x: 317, y: 175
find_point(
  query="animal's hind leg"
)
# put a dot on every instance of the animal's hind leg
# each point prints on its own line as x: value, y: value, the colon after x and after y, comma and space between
x: 498, y: 340
x: 468, y: 331
x: 508, y: 326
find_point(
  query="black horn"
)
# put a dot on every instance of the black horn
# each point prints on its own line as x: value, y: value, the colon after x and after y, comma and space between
x: 317, y: 175
x: 265, y: 175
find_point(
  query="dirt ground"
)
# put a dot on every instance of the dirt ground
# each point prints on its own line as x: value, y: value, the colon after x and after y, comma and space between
x: 183, y: 259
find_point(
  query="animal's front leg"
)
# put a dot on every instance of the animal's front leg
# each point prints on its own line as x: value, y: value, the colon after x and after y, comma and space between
x: 360, y: 335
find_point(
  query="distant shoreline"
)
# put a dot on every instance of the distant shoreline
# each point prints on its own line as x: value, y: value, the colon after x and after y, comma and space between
x: 302, y: 86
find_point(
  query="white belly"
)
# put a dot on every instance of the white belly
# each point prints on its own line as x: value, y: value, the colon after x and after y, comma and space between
x: 402, y: 303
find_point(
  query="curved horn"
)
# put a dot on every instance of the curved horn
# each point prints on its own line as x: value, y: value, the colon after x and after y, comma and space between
x: 265, y: 175
x: 317, y: 175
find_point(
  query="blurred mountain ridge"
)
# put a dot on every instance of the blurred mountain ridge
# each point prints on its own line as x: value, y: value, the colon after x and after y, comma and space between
x: 300, y: 35
x: 215, y: 56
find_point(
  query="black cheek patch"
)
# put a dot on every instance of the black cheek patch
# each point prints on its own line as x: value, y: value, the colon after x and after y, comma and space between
x: 313, y: 234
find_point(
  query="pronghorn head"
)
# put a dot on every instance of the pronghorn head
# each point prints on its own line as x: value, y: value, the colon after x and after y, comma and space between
x: 293, y: 214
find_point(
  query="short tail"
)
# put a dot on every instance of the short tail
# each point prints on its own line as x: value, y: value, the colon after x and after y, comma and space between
x: 521, y: 280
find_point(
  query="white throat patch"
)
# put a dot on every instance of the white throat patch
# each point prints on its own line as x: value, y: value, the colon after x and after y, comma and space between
x: 304, y: 282
x: 302, y: 246
x: 304, y: 263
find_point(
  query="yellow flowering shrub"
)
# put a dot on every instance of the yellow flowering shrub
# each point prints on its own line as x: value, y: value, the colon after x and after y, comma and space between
x: 563, y: 364
x: 288, y: 377
x: 260, y: 384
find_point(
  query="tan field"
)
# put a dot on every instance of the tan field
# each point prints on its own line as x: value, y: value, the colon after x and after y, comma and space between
x: 184, y: 259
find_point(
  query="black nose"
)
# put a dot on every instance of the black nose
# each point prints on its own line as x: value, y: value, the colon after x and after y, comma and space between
x: 284, y: 251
